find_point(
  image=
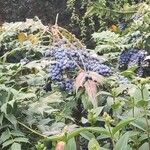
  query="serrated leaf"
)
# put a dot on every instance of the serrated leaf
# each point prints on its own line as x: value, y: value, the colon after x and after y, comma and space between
x: 22, y: 96
x: 93, y: 145
x: 122, y: 143
x: 91, y: 90
x: 17, y: 133
x: 5, y: 136
x: 121, y: 124
x: 7, y: 143
x: 16, y: 146
x: 21, y: 139
x: 80, y: 80
x: 11, y: 118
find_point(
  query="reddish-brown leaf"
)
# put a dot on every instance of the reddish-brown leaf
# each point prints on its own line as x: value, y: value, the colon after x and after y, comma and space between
x: 96, y: 77
x: 91, y: 90
x: 60, y: 146
x: 80, y: 80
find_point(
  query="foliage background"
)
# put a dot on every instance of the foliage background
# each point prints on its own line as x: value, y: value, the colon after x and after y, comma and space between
x: 33, y: 118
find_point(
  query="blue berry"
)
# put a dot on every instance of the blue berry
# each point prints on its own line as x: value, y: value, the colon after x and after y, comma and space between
x: 132, y: 57
x: 71, y: 59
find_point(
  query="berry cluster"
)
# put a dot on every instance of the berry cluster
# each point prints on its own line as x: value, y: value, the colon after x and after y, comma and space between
x: 67, y: 85
x: 68, y: 60
x: 132, y: 57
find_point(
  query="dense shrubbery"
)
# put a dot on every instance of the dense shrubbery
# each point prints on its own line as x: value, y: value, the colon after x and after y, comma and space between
x: 56, y: 94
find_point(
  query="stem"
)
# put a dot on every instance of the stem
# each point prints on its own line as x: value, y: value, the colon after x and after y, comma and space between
x: 135, y: 129
x: 116, y: 11
x: 147, y: 123
x: 56, y: 20
x: 77, y: 140
x: 133, y: 108
x: 114, y: 99
x: 33, y: 131
x: 146, y: 116
x: 112, y: 137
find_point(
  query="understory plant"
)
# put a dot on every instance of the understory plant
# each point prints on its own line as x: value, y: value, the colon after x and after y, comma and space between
x: 57, y: 94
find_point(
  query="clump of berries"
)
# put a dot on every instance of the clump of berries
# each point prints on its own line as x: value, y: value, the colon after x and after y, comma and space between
x: 67, y: 60
x: 132, y: 57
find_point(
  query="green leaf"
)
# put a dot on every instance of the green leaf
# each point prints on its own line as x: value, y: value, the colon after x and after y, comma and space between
x: 7, y: 143
x: 87, y: 135
x: 71, y: 144
x: 22, y: 96
x: 20, y: 139
x: 4, y: 108
x: 140, y: 123
x: 146, y: 94
x: 121, y: 124
x: 98, y: 110
x: 12, y: 119
x: 90, y: 129
x: 122, y: 143
x: 5, y: 136
x: 93, y: 145
x: 128, y: 73
x: 1, y: 118
x: 145, y: 146
x: 16, y: 146
x: 103, y: 93
x: 135, y: 93
x: 116, y: 105
x: 17, y: 133
x: 142, y: 103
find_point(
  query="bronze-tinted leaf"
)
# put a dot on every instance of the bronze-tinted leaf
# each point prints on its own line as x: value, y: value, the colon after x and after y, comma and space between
x: 80, y: 80
x: 91, y: 90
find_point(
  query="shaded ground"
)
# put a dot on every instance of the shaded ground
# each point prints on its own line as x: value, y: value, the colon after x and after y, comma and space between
x: 46, y: 10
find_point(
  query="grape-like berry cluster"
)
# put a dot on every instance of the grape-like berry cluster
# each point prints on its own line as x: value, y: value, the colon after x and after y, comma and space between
x: 68, y: 60
x: 132, y: 57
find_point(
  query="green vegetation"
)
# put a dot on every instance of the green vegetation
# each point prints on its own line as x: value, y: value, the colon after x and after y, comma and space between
x: 57, y: 94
